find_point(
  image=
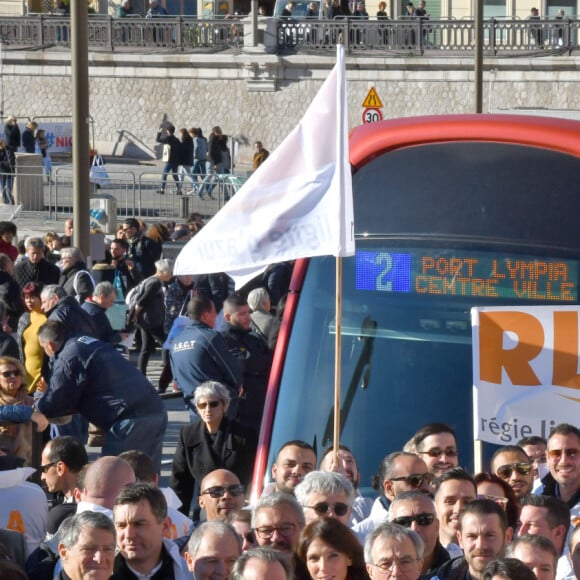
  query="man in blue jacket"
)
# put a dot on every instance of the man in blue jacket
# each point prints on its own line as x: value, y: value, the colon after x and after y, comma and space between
x: 92, y: 378
x: 201, y: 354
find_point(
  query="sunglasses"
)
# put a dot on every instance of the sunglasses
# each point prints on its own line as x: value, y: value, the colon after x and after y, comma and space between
x: 15, y: 373
x: 416, y: 479
x: 210, y: 404
x: 322, y: 508
x: 424, y: 519
x: 555, y: 453
x: 47, y: 466
x: 450, y: 452
x: 219, y: 491
x: 505, y: 471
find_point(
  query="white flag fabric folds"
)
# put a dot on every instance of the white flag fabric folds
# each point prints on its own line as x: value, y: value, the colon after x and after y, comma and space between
x: 297, y: 204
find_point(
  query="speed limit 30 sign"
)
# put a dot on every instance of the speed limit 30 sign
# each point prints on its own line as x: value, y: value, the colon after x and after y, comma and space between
x: 372, y: 116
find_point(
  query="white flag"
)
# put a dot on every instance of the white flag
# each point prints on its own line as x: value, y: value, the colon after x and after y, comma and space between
x: 297, y: 204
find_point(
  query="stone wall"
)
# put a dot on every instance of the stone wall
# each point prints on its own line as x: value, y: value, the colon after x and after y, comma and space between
x: 263, y: 96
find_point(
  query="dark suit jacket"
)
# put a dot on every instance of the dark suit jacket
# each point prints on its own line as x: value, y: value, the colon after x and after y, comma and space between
x: 15, y: 545
x: 234, y: 449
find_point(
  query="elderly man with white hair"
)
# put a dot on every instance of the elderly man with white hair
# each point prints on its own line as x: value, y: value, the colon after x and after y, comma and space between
x: 326, y: 495
x: 261, y: 319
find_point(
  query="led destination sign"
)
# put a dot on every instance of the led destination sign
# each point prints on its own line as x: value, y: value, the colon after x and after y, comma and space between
x: 464, y: 274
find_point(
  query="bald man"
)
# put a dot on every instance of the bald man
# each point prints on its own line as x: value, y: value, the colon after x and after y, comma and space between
x: 103, y: 481
x: 221, y: 494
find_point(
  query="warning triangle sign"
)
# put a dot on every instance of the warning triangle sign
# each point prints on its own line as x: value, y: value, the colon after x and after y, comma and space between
x: 372, y: 100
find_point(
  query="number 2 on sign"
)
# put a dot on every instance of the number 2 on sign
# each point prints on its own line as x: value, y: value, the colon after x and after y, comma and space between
x: 386, y: 260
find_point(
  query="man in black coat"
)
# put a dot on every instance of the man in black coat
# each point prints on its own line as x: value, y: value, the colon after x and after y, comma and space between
x: 143, y: 251
x: 254, y: 357
x: 35, y: 268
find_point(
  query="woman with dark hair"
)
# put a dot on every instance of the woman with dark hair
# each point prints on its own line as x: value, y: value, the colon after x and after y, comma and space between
x: 490, y: 486
x: 159, y: 233
x: 31, y: 353
x: 328, y: 548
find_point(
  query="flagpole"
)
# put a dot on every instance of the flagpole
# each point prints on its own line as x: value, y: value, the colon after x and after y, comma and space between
x: 337, y: 353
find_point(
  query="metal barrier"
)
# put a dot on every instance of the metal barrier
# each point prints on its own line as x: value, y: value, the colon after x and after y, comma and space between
x: 416, y: 36
x: 130, y: 194
x: 404, y: 36
x: 110, y: 33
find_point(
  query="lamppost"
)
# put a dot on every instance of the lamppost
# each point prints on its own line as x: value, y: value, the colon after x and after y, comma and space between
x: 81, y: 120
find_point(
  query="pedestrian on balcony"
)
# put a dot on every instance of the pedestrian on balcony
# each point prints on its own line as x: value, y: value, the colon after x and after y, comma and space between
x: 421, y: 13
x: 171, y: 156
x: 536, y: 36
x: 125, y: 9
x: 155, y: 10
x: 331, y: 9
x: 60, y: 8
x: 409, y: 33
x: 559, y: 30
x: 382, y: 12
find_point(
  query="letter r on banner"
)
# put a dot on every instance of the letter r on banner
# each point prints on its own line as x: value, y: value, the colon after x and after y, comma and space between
x: 492, y: 354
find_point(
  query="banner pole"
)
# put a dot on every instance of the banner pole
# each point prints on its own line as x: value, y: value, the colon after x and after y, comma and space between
x: 477, y: 455
x: 337, y: 354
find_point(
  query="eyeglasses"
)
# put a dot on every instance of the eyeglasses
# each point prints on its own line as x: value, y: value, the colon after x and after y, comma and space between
x: 266, y: 532
x: 210, y: 404
x: 505, y: 471
x: 501, y: 501
x: 249, y: 537
x: 322, y: 508
x: 404, y: 565
x: 424, y: 519
x: 557, y: 453
x: 219, y: 491
x: 416, y: 479
x: 450, y: 452
x: 47, y: 466
x: 7, y: 374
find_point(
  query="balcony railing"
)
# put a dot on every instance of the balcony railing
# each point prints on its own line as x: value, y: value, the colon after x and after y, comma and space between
x: 385, y: 37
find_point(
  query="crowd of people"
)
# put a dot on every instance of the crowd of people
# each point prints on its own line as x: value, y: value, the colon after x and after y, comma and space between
x: 431, y: 519
x: 193, y: 161
x: 66, y: 377
x: 31, y: 140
